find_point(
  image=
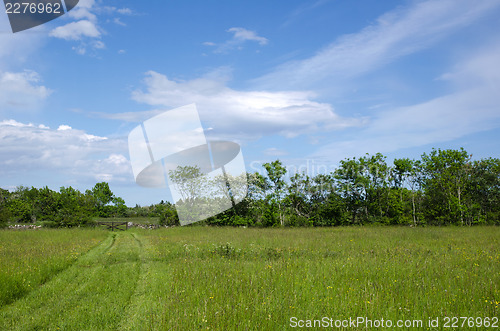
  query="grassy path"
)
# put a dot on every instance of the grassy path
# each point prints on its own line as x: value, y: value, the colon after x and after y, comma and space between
x: 92, y: 294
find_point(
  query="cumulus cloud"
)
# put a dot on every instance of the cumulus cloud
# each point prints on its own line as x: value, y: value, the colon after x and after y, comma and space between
x: 22, y: 90
x: 26, y: 148
x: 83, y: 11
x: 76, y: 30
x: 240, y: 36
x: 116, y: 167
x: 86, y: 28
x: 64, y: 127
x: 243, y: 114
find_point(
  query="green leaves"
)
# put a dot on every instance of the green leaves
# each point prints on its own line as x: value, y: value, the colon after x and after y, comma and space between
x: 443, y: 187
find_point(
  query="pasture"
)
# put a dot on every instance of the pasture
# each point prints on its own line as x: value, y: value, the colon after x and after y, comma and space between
x: 193, y: 278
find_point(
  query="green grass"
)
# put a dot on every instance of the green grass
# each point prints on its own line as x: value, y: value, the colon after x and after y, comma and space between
x: 29, y: 258
x: 193, y: 278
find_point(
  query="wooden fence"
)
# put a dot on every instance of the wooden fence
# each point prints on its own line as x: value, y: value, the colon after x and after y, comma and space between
x: 114, y: 225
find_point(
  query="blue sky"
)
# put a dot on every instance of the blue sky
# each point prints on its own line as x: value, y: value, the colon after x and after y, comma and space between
x: 308, y: 82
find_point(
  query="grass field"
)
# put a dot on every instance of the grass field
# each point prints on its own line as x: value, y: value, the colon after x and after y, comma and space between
x: 195, y: 278
x: 28, y: 259
x: 135, y: 220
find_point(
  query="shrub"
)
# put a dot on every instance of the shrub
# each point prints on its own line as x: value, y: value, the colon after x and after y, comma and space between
x: 49, y: 224
x: 238, y: 221
x: 169, y: 218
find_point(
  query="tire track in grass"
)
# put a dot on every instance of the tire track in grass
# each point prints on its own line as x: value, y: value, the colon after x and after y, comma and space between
x: 146, y: 310
x: 92, y: 294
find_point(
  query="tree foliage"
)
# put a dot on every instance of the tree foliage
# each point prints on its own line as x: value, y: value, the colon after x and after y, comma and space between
x: 442, y: 187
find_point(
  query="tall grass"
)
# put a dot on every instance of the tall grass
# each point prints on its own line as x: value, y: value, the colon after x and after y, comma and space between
x: 30, y: 258
x: 89, y: 295
x: 194, y: 278
x: 260, y: 278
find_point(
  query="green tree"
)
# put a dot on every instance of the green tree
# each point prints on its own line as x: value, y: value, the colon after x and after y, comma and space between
x: 299, y: 198
x: 332, y: 211
x: 47, y: 204
x: 376, y: 173
x: 408, y: 173
x: 352, y: 187
x: 189, y: 182
x: 194, y: 188
x: 74, y: 208
x: 276, y: 183
x: 484, y: 192
x: 447, y: 175
x: 168, y: 215
x: 254, y: 205
x: 119, y: 207
x: 20, y: 205
x: 102, y: 196
x: 4, y: 211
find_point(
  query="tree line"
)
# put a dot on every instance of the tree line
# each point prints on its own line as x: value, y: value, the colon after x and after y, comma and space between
x: 442, y: 187
x: 66, y: 208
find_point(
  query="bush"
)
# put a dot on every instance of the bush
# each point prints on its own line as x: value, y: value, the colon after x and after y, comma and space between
x: 240, y: 221
x: 20, y: 210
x: 169, y: 218
x: 49, y: 224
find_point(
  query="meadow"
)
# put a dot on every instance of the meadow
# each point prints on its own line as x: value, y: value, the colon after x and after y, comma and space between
x: 29, y: 259
x: 192, y: 278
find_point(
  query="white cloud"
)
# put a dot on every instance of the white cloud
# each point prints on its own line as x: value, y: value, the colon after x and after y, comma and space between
x: 86, y: 29
x: 76, y: 30
x: 83, y: 11
x: 31, y: 148
x: 400, y: 32
x: 125, y: 11
x: 98, y: 44
x: 112, y: 10
x: 243, y: 114
x: 472, y: 108
x: 21, y: 90
x: 240, y: 36
x: 80, y: 49
x: 117, y: 21
x: 17, y: 124
x: 64, y: 127
x: 116, y: 167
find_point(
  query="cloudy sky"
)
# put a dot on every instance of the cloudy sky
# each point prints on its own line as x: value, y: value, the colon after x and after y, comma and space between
x: 308, y: 82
